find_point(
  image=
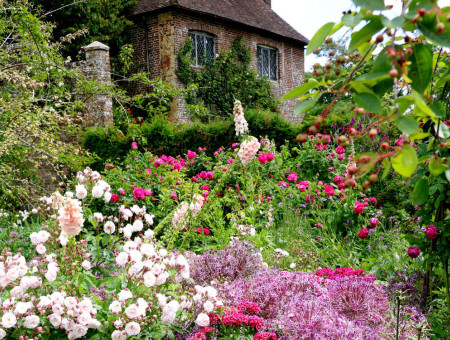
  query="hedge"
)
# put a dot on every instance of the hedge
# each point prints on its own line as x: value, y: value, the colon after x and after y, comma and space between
x: 163, y: 137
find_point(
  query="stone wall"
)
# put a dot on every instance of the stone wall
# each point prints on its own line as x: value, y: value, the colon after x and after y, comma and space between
x: 167, y: 31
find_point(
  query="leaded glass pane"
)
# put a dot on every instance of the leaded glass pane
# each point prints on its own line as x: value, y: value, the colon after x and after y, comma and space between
x: 265, y: 62
x: 201, y: 49
x: 259, y: 61
x: 194, y: 50
x: 273, y: 65
x: 209, y: 48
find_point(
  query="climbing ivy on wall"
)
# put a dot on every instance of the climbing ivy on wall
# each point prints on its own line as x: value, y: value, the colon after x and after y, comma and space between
x: 218, y: 83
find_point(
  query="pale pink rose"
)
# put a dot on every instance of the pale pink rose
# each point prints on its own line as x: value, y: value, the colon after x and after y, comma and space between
x: 31, y: 321
x: 9, y: 320
x: 132, y: 328
x: 202, y: 320
x: 118, y: 335
x: 132, y: 311
x: 54, y: 319
x: 115, y: 307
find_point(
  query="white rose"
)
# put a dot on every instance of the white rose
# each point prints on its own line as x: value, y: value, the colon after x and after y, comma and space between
x: 9, y: 320
x: 84, y: 318
x: 136, y: 269
x: 31, y: 321
x: 162, y: 278
x: 70, y: 302
x: 122, y: 259
x: 107, y: 197
x: 132, y: 311
x: 86, y: 264
x: 135, y: 255
x: 202, y: 320
x: 40, y: 249
x: 43, y: 236
x: 212, y: 292
x: 78, y: 331
x: 149, y: 279
x: 23, y: 307
x: 162, y: 299
x: 51, y: 275
x: 148, y: 249
x: 208, y: 306
x: 138, y: 225
x: 149, y: 218
x: 16, y: 292
x: 118, y: 335
x: 97, y: 191
x: 149, y: 234
x: 115, y: 307
x: 109, y: 227
x: 184, y: 272
x: 2, y: 333
x: 136, y: 209
x: 127, y: 231
x: 81, y: 191
x: 125, y: 295
x: 85, y: 305
x: 55, y: 319
x: 132, y: 328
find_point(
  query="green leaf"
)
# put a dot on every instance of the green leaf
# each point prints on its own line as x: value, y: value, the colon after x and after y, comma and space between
x: 436, y: 166
x: 370, y: 102
x: 421, y: 191
x: 404, y: 103
x: 396, y: 22
x: 386, y: 169
x: 302, y: 89
x: 305, y: 105
x: 383, y: 65
x: 438, y: 109
x: 447, y: 174
x: 320, y: 36
x: 365, y: 33
x: 407, y: 125
x: 105, y: 240
x: 374, y: 5
x: 421, y: 107
x: 420, y: 135
x: 405, y: 162
x: 336, y: 28
x: 351, y: 20
x: 427, y: 27
x: 421, y: 68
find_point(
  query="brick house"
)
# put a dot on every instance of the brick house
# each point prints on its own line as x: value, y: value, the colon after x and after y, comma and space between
x: 162, y: 26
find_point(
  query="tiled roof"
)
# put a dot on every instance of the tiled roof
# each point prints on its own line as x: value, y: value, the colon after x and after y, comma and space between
x: 254, y: 13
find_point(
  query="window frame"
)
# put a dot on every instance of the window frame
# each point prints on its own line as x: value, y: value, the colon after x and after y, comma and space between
x: 198, y: 61
x: 260, y: 69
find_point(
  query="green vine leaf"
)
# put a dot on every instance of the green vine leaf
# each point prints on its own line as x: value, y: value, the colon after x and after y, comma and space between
x: 421, y: 191
x: 370, y: 102
x: 407, y: 125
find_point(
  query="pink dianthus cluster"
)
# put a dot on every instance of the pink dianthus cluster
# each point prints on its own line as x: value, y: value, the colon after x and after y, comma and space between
x: 235, y: 318
x: 265, y: 336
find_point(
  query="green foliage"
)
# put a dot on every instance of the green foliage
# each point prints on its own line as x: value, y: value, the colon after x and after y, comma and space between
x: 162, y: 136
x: 221, y: 81
x: 105, y: 21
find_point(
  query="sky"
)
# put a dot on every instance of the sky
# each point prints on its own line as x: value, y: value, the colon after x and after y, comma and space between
x: 307, y: 16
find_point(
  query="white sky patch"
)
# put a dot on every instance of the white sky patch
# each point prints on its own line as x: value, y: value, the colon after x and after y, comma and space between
x: 307, y: 16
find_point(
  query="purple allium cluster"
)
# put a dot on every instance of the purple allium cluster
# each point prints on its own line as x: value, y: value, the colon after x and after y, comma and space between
x: 238, y: 260
x: 303, y: 306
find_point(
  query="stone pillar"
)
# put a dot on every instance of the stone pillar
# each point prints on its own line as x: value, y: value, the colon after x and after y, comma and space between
x: 98, y: 111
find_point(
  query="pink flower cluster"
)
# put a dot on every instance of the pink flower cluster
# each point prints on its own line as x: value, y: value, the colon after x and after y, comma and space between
x: 248, y: 150
x: 202, y: 334
x: 176, y: 164
x: 263, y: 158
x: 265, y: 336
x: 240, y: 123
x: 247, y: 306
x: 331, y: 274
x: 235, y: 318
x: 140, y: 193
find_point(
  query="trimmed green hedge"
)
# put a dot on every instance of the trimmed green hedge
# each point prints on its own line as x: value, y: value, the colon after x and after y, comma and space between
x: 161, y: 136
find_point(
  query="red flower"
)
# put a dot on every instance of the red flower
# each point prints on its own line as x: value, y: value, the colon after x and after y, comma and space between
x: 329, y: 190
x: 139, y: 193
x: 413, y: 252
x: 374, y: 222
x: 270, y: 156
x: 431, y: 232
x: 359, y: 208
x: 363, y: 233
x: 114, y: 198
x: 262, y: 158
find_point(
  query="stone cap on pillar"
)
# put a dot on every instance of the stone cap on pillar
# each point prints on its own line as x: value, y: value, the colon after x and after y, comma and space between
x: 95, y: 46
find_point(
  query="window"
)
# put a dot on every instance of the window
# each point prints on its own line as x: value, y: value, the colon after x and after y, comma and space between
x: 203, y: 50
x: 267, y: 62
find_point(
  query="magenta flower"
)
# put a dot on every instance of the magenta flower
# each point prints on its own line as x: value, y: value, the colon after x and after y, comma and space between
x: 270, y: 156
x: 338, y: 180
x: 363, y: 233
x: 139, y: 193
x: 329, y: 190
x: 359, y: 208
x: 114, y: 198
x: 340, y: 150
x: 191, y: 154
x: 134, y: 145
x: 431, y: 232
x: 292, y: 177
x: 262, y: 158
x: 413, y: 252
x: 374, y: 222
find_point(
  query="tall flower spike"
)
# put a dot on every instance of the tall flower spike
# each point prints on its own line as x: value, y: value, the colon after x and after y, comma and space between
x: 239, y: 119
